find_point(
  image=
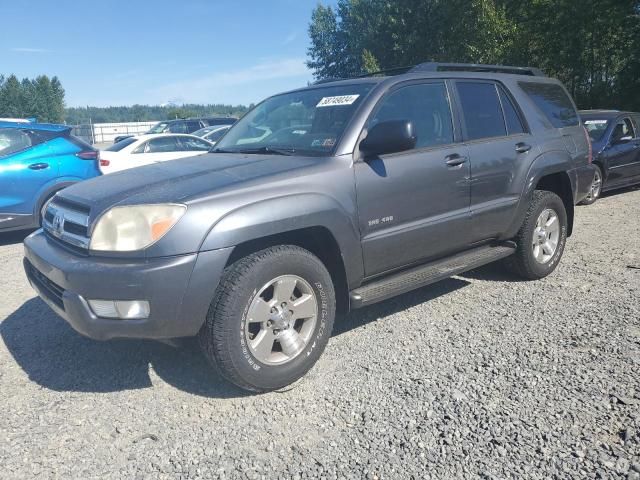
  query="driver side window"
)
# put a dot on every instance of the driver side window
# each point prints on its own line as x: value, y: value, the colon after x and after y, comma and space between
x: 426, y: 106
x: 623, y: 129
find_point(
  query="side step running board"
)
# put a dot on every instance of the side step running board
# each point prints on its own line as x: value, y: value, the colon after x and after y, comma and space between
x: 426, y: 274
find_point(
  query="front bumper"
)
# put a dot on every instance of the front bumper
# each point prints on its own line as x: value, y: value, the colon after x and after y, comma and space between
x: 179, y: 289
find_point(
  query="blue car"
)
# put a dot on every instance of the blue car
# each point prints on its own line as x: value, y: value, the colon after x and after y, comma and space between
x: 615, y: 137
x: 36, y: 161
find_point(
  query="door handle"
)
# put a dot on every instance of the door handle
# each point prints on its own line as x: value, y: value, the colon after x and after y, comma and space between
x: 454, y: 160
x: 522, y: 147
x: 38, y: 166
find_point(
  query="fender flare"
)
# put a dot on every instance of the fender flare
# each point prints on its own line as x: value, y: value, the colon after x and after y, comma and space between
x: 549, y: 163
x: 289, y: 213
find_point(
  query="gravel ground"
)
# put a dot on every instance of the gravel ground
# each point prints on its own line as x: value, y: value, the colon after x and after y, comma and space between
x: 480, y: 376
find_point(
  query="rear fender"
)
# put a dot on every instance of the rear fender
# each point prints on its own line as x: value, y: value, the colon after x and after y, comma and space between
x: 548, y: 163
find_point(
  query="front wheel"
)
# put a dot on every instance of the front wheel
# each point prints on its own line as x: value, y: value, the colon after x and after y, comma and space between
x: 270, y: 318
x: 596, y: 187
x: 541, y: 238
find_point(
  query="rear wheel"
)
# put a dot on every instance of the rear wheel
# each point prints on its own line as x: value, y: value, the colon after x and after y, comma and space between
x: 270, y: 319
x: 541, y: 238
x: 596, y: 187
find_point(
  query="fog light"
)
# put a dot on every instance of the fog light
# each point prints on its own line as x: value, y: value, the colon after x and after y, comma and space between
x: 126, y: 309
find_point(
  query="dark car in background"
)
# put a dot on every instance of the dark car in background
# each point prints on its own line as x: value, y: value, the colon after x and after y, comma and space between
x: 615, y: 136
x: 184, y: 125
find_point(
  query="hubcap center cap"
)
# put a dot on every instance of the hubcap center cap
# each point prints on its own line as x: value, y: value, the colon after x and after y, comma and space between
x: 281, y: 318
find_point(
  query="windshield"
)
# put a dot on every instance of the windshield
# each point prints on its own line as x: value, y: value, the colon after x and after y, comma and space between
x: 203, y: 131
x: 309, y: 122
x: 596, y: 128
x: 116, y: 147
x: 158, y: 127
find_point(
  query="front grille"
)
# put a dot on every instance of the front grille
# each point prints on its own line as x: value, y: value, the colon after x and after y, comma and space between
x: 51, y: 290
x: 67, y: 222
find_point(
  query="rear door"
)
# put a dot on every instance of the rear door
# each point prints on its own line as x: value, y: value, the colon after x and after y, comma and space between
x: 414, y: 205
x: 498, y: 141
x: 623, y: 152
x: 27, y: 164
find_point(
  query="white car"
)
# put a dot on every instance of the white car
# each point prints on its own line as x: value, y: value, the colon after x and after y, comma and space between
x: 213, y: 133
x: 146, y: 149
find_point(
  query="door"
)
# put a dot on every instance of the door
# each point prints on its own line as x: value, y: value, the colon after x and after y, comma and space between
x: 157, y: 149
x: 497, y: 139
x: 26, y: 166
x: 414, y: 205
x: 623, y: 152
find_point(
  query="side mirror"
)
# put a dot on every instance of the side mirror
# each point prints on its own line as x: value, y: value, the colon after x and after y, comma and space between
x: 388, y: 137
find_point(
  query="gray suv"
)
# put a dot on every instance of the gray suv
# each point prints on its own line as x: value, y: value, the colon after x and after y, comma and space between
x: 320, y: 200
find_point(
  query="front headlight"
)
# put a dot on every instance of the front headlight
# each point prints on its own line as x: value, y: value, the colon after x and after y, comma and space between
x: 129, y: 228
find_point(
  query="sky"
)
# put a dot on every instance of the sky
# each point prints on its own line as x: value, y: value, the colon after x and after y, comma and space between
x: 116, y: 52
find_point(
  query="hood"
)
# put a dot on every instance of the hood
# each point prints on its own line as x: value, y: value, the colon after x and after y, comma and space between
x: 179, y: 181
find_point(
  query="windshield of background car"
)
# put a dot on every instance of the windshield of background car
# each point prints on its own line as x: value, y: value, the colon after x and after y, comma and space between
x: 203, y: 131
x: 596, y: 128
x: 116, y: 147
x: 159, y: 127
x: 308, y: 121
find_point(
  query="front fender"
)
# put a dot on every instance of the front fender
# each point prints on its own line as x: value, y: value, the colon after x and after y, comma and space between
x: 287, y: 214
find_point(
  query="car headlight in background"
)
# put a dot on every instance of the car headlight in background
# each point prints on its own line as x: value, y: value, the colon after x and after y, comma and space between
x: 130, y: 228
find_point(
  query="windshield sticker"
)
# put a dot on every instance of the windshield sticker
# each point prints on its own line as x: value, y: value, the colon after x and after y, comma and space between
x: 299, y: 132
x: 595, y: 122
x: 337, y: 101
x: 326, y: 143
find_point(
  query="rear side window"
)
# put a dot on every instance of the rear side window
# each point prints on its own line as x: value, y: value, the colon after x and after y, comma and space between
x: 553, y: 101
x: 426, y: 106
x: 162, y: 144
x: 193, y: 125
x: 13, y: 140
x: 178, y: 127
x: 511, y: 116
x: 116, y: 147
x: 481, y: 110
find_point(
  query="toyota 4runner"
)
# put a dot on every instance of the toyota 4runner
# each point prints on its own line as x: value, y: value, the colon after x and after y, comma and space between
x: 319, y: 200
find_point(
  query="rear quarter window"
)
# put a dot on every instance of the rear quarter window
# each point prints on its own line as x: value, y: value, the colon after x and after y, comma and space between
x: 553, y: 101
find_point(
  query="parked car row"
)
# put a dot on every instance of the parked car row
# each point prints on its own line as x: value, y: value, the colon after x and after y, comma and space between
x: 184, y: 125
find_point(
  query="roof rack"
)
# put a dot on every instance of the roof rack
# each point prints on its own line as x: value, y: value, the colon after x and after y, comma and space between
x: 327, y: 80
x: 445, y: 67
x: 476, y: 67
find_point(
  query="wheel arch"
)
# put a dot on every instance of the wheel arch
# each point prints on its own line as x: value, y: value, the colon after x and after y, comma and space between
x: 319, y: 241
x: 313, y: 221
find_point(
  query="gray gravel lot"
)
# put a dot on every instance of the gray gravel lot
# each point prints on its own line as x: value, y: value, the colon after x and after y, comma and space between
x: 480, y: 376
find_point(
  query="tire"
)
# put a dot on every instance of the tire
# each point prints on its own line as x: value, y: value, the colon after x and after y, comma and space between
x: 250, y: 311
x: 596, y: 187
x: 529, y: 262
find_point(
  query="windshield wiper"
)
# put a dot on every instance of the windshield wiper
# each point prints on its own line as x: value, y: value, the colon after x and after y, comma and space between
x: 268, y: 150
x: 221, y: 150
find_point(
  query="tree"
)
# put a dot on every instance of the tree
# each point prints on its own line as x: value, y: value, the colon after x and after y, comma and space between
x: 593, y: 46
x: 41, y: 98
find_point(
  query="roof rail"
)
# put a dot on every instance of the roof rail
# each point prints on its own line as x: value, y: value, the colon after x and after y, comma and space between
x: 327, y: 80
x: 476, y: 67
x: 388, y: 71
